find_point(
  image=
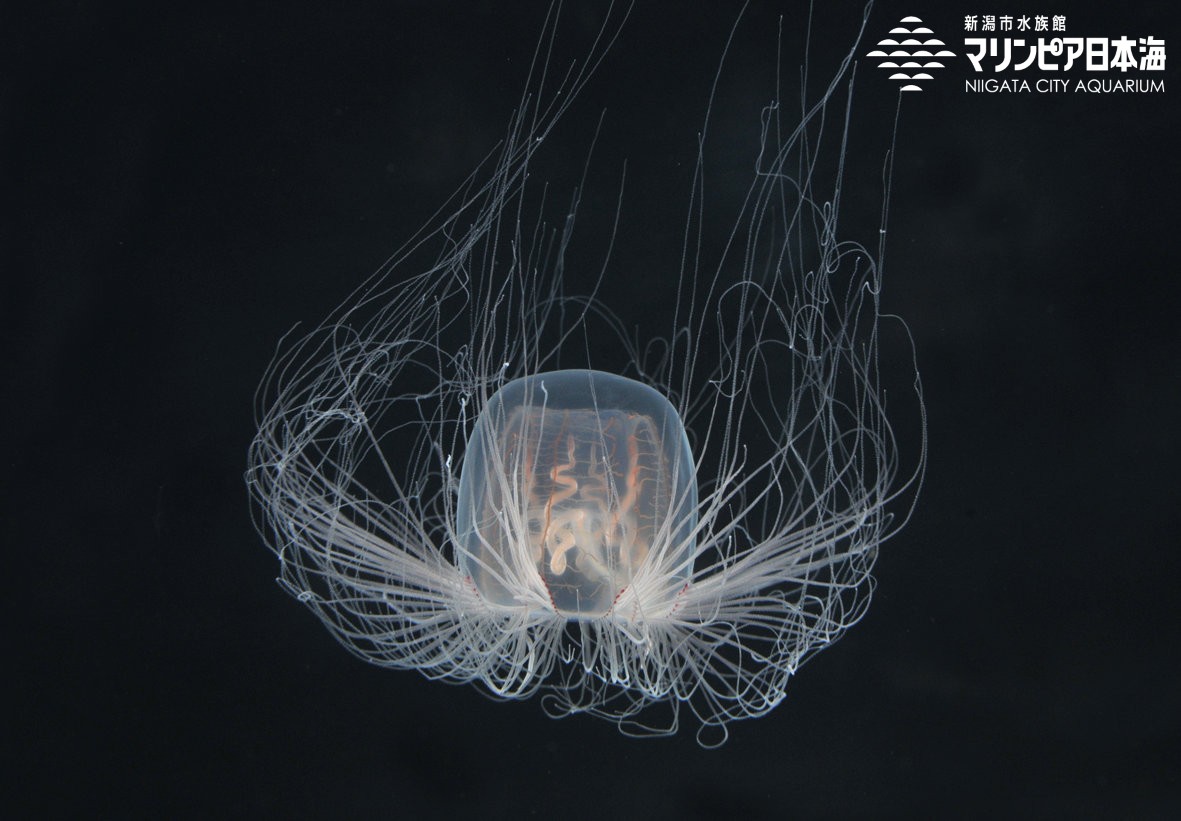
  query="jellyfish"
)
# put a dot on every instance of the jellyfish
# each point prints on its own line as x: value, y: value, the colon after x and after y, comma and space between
x: 466, y: 471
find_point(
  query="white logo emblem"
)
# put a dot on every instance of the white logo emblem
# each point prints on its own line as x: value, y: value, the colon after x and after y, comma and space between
x: 913, y: 55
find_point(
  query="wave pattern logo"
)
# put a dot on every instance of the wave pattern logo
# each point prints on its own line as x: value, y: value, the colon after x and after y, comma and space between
x: 913, y: 56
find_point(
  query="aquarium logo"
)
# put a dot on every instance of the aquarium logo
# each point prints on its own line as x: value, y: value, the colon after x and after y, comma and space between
x: 911, y: 52
x: 1032, y: 54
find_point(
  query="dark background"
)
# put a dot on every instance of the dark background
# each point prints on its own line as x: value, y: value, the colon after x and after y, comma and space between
x: 184, y: 185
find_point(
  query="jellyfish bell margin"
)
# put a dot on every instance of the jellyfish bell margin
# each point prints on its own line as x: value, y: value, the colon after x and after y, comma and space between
x: 453, y: 487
